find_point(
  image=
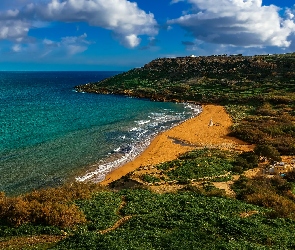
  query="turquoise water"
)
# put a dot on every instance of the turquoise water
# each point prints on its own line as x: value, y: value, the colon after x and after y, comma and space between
x: 49, y: 133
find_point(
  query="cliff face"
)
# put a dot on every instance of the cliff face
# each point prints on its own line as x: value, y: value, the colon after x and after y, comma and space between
x: 203, y: 79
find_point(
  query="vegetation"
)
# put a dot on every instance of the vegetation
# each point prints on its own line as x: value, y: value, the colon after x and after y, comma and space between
x: 197, y: 165
x: 274, y: 193
x: 213, y: 79
x: 149, y: 178
x: 188, y: 220
x: 206, y: 164
x: 258, y: 92
x: 194, y: 217
x: 49, y: 207
x: 276, y: 131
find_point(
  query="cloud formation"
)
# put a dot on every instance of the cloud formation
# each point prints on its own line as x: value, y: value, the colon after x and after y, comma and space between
x: 13, y: 29
x: 70, y: 44
x: 238, y: 23
x: 123, y: 18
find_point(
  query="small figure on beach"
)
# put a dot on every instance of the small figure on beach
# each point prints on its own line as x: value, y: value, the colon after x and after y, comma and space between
x: 210, y: 123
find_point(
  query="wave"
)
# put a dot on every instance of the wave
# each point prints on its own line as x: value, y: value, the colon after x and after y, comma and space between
x: 139, y: 139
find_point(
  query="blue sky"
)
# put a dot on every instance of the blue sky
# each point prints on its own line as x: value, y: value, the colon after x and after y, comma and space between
x: 122, y: 34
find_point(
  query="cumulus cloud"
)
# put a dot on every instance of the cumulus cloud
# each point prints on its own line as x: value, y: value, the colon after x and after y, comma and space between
x: 13, y: 29
x: 122, y: 17
x: 237, y: 23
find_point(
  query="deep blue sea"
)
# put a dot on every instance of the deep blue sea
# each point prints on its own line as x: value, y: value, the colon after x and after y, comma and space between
x: 49, y: 133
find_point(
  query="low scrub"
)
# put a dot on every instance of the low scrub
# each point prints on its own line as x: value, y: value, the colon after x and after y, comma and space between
x: 273, y: 193
x: 188, y: 220
x: 48, y: 207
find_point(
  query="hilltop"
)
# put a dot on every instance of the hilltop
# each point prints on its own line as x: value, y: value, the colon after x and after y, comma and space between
x: 211, y: 79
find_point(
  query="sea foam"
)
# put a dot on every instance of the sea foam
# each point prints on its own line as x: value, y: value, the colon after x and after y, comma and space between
x: 145, y: 131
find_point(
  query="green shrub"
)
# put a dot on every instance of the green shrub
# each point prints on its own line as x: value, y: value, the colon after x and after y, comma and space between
x: 246, y: 160
x: 149, y: 178
x: 188, y: 220
x: 268, y: 151
x: 238, y: 169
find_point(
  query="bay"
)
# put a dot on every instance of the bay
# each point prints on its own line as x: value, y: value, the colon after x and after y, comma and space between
x: 49, y: 133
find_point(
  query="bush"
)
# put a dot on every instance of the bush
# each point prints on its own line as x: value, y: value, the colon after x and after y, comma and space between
x: 290, y: 176
x: 48, y: 207
x: 281, y: 206
x: 149, y: 178
x: 246, y: 160
x: 268, y: 151
x: 272, y: 193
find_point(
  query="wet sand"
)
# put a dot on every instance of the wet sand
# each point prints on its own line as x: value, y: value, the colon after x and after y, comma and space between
x: 208, y: 129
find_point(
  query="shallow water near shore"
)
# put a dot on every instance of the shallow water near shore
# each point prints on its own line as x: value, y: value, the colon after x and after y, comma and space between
x: 50, y: 133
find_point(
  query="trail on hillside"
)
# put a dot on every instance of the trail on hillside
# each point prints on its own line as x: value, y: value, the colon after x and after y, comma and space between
x: 120, y: 221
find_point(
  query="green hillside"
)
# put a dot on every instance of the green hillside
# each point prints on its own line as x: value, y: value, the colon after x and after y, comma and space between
x: 259, y: 94
x: 213, y: 79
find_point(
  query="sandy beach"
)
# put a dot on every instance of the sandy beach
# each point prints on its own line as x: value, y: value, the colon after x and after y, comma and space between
x: 208, y: 129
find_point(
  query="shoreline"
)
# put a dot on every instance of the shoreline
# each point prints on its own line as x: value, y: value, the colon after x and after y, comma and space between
x: 144, y: 133
x: 197, y: 132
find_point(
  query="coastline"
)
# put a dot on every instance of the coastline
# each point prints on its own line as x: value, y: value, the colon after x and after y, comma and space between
x: 196, y: 132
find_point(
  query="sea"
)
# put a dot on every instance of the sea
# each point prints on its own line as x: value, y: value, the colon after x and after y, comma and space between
x: 50, y: 134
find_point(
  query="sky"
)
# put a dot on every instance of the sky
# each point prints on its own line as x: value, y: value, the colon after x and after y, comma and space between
x: 120, y: 35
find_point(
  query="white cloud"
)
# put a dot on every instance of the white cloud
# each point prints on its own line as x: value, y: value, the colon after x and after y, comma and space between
x: 75, y: 49
x: 122, y: 17
x: 289, y: 14
x: 48, y: 42
x: 13, y: 29
x: 16, y: 48
x: 238, y: 23
x: 69, y: 45
x: 130, y: 41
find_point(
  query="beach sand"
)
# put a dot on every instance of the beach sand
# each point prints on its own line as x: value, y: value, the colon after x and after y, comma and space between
x: 197, y: 132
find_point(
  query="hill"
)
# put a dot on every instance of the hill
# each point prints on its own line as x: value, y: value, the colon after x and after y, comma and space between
x: 259, y: 87
x: 195, y: 213
x: 213, y: 79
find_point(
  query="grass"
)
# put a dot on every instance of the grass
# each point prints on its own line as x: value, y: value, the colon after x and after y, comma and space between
x: 198, y: 164
x: 192, y: 218
x: 258, y: 93
x: 188, y: 220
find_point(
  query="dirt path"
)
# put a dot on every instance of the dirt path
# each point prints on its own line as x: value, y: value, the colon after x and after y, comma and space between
x: 116, y: 225
x: 120, y: 221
